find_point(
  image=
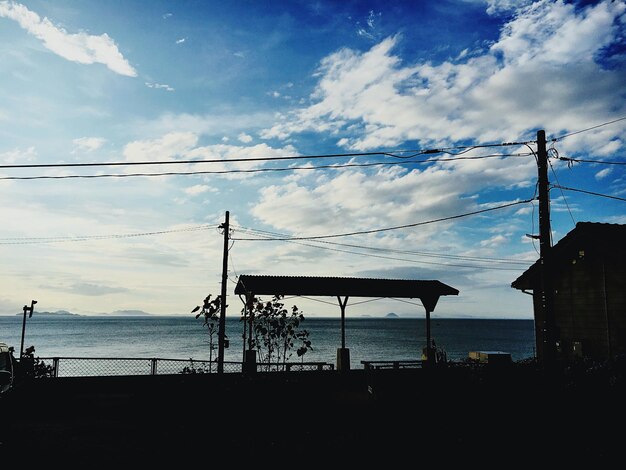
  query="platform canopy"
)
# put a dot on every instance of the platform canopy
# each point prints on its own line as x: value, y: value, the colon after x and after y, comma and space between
x: 343, y: 288
x: 427, y: 291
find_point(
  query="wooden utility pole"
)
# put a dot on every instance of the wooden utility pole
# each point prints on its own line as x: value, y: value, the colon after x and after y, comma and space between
x: 28, y: 310
x: 545, y: 253
x: 221, y: 332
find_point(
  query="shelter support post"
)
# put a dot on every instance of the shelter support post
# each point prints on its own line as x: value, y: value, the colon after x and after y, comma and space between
x: 244, y: 335
x: 249, y: 355
x: 429, y: 302
x: 430, y: 353
x: 343, y: 353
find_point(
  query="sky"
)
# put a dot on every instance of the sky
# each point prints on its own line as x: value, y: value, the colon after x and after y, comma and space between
x: 375, y: 82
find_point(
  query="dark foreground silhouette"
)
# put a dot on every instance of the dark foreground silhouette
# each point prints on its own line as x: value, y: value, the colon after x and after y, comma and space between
x: 503, y: 416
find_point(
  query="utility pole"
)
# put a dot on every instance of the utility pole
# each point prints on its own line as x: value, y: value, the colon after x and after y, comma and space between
x: 221, y: 332
x: 26, y: 309
x: 545, y: 253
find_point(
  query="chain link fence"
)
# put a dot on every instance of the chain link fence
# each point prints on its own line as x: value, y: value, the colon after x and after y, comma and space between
x: 294, y: 366
x: 108, y: 366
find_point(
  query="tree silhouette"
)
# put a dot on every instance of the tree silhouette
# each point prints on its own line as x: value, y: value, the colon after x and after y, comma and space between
x: 210, y: 310
x: 277, y: 331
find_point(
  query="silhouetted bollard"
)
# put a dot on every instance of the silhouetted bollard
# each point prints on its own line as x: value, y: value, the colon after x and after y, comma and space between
x: 343, y: 359
x: 249, y: 362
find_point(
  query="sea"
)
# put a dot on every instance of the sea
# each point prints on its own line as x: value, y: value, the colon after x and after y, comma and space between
x: 180, y: 337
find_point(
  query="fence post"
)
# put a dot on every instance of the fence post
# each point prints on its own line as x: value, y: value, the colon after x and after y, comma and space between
x: 153, y: 366
x: 55, y: 367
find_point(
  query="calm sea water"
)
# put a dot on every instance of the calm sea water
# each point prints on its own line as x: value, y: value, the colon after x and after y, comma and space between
x: 179, y: 337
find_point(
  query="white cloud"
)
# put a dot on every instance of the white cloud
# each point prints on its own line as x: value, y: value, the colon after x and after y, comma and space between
x: 245, y: 138
x: 348, y: 200
x: 494, y: 241
x: 228, y: 152
x: 603, y: 173
x: 87, y: 144
x: 90, y: 289
x: 496, y: 7
x: 239, y: 54
x: 159, y: 86
x: 79, y: 47
x: 368, y: 30
x: 198, y: 189
x: 617, y: 219
x: 169, y: 147
x: 547, y: 51
x: 17, y: 155
x: 184, y: 146
x: 609, y: 148
x: 167, y: 15
x: 181, y: 40
x: 553, y: 33
x: 218, y: 123
x: 524, y: 211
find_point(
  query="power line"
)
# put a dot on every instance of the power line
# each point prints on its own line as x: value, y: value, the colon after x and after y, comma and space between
x: 581, y: 160
x: 386, y: 229
x: 316, y: 300
x: 464, y: 149
x: 589, y: 192
x: 259, y: 170
x: 366, y: 301
x: 82, y: 238
x: 561, y: 137
x: 406, y: 301
x: 563, y: 195
x: 387, y: 153
x: 472, y: 266
x: 391, y: 250
x: 181, y: 162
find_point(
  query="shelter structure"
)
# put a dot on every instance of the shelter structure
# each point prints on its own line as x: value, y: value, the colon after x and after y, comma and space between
x: 428, y: 292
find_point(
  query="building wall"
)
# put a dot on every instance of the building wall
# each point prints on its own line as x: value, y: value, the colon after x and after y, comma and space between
x: 589, y: 305
x: 615, y: 268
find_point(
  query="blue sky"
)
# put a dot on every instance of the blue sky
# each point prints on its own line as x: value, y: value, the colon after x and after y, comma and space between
x: 136, y: 81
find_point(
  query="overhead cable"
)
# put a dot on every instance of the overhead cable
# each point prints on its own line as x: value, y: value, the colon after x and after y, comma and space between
x: 260, y: 170
x: 82, y: 238
x: 588, y: 192
x: 266, y: 234
x: 386, y: 229
x: 561, y: 137
x: 370, y: 255
x: 388, y: 153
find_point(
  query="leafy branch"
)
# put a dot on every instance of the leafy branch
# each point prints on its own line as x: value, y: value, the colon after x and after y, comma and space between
x: 210, y: 311
x: 277, y: 332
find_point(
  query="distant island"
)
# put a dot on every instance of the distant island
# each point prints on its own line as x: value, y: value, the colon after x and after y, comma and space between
x: 129, y: 313
x: 65, y: 313
x: 391, y: 315
x: 58, y: 313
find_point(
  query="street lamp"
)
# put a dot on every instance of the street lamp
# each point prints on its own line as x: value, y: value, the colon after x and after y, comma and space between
x: 28, y: 310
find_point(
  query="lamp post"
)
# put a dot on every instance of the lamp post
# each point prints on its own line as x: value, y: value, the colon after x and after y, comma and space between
x: 28, y: 310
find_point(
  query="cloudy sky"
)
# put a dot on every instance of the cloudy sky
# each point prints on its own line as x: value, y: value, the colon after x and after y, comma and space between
x: 225, y: 82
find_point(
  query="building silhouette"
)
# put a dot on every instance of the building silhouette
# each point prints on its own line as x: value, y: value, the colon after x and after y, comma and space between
x: 587, y: 271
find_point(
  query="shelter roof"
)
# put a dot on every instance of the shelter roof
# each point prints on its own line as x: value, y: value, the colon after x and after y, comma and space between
x: 428, y: 291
